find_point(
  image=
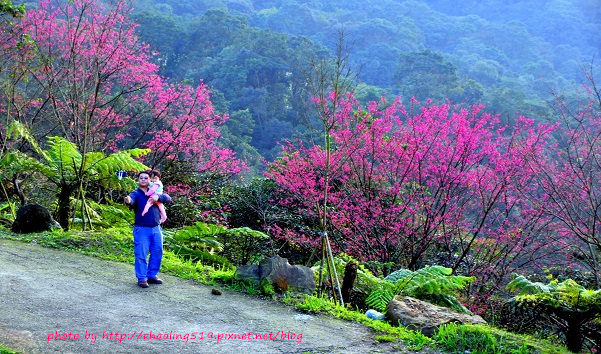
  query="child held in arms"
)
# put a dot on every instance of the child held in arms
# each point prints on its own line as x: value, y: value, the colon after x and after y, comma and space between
x: 155, y: 187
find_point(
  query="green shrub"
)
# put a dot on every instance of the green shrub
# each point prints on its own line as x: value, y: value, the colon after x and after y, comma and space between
x: 243, y: 245
x: 432, y: 283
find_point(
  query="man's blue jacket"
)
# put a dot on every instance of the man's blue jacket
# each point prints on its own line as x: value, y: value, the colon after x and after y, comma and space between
x: 153, y: 217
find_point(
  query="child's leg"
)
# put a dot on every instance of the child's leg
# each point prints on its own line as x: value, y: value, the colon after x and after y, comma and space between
x: 163, y: 212
x: 147, y: 206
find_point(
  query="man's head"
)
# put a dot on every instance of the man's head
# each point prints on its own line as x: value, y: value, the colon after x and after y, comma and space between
x: 144, y: 179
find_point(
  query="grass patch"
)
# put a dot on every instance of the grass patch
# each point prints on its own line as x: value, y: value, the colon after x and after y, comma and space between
x: 4, y: 350
x: 458, y: 338
x: 387, y: 338
x: 309, y: 303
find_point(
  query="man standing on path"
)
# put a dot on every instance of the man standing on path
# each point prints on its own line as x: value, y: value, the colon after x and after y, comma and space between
x: 147, y: 232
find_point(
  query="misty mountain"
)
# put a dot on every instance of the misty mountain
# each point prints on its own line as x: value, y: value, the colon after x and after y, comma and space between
x: 508, y: 55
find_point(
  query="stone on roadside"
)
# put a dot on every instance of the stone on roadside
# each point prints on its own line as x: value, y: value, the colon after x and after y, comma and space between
x: 33, y: 218
x: 423, y: 316
x: 280, y: 273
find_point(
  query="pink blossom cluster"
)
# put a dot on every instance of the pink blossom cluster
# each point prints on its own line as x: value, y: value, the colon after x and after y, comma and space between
x: 424, y: 184
x: 78, y: 70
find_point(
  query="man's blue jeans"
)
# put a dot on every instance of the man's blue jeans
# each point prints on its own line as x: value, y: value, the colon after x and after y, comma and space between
x: 147, y: 240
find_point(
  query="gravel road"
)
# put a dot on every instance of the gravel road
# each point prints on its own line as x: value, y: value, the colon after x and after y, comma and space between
x: 65, y: 302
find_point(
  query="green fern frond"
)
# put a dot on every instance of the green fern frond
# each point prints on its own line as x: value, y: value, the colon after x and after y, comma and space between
x: 17, y: 162
x: 524, y: 286
x: 448, y: 301
x: 247, y: 231
x: 397, y: 275
x: 432, y: 280
x: 63, y: 154
x: 199, y: 236
x: 195, y: 255
x: 379, y: 298
x: 137, y: 153
x: 566, y: 295
x: 99, y: 164
x: 17, y: 129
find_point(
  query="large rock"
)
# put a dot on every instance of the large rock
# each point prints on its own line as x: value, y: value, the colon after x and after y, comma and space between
x: 280, y: 273
x: 33, y: 218
x: 423, y: 316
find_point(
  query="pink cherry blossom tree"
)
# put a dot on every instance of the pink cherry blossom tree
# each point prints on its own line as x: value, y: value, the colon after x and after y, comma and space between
x: 77, y: 69
x: 428, y: 184
x: 570, y: 178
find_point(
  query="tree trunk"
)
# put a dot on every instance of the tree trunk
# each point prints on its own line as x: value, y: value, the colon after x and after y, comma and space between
x: 19, y: 191
x: 64, y: 205
x: 350, y: 274
x: 574, y: 336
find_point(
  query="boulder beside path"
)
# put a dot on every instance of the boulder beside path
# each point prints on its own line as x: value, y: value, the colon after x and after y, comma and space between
x: 33, y: 218
x: 423, y: 316
x: 280, y: 273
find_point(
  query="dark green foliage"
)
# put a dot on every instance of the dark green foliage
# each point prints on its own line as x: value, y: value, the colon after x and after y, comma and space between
x: 499, y: 53
x: 7, y: 7
x: 199, y: 200
x: 252, y: 204
x: 244, y: 245
x: 217, y: 243
x: 197, y: 243
x: 425, y: 75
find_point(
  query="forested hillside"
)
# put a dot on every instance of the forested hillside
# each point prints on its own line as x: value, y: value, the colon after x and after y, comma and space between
x: 508, y: 55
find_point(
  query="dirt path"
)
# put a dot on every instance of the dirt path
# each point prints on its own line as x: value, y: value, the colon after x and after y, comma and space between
x: 46, y: 293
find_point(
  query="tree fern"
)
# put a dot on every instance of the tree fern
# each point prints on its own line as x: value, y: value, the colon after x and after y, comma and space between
x: 398, y: 275
x: 524, y: 286
x: 18, y: 130
x: 567, y: 303
x: 65, y: 166
x: 430, y: 280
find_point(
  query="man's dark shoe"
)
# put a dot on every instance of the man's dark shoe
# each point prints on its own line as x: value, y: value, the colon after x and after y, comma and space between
x: 143, y: 284
x: 154, y: 281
